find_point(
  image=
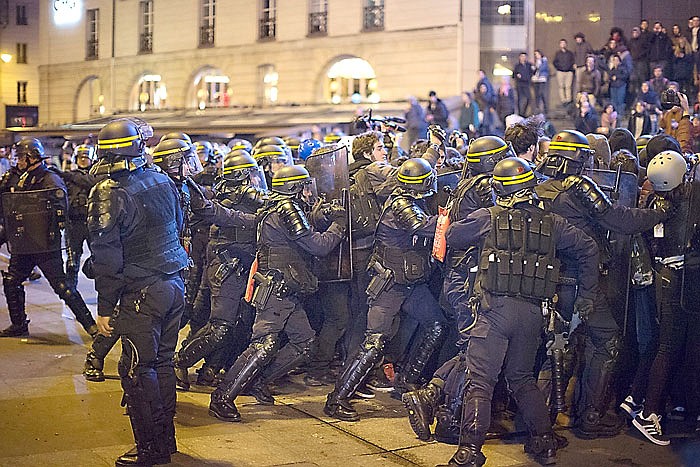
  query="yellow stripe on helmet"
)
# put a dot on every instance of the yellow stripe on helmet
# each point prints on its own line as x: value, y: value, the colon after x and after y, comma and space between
x: 280, y: 181
x: 485, y: 153
x: 230, y: 169
x: 170, y: 151
x: 515, y: 179
x: 269, y: 153
x: 413, y: 179
x: 568, y: 145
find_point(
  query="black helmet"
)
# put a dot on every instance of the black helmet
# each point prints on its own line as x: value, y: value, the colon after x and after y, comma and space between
x: 176, y: 135
x: 84, y: 151
x: 569, y: 152
x: 513, y: 180
x: 176, y: 157
x: 292, y: 142
x: 121, y: 145
x: 267, y: 140
x: 205, y: 151
x: 417, y: 178
x: 642, y: 149
x: 290, y: 180
x: 240, y: 143
x: 269, y: 153
x: 30, y: 147
x: 485, y: 152
x: 237, y: 165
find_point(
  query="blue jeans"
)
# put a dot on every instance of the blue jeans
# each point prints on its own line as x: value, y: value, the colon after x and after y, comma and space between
x: 617, y: 96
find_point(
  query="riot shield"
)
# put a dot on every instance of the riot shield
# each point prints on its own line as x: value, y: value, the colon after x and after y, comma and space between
x: 446, y: 183
x: 621, y: 188
x: 691, y: 270
x: 34, y: 219
x: 257, y: 178
x: 329, y: 168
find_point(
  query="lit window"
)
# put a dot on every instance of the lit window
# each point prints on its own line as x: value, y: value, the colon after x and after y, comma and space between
x: 503, y: 12
x: 210, y: 88
x: 149, y: 93
x: 352, y: 80
x: 267, y: 89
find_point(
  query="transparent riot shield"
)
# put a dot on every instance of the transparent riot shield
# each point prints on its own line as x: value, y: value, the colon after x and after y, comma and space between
x: 329, y: 168
x: 34, y: 219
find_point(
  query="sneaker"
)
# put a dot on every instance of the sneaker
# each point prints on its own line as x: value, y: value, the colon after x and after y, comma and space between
x: 677, y: 414
x: 363, y: 392
x: 380, y: 383
x: 631, y: 407
x: 650, y: 427
x: 16, y: 330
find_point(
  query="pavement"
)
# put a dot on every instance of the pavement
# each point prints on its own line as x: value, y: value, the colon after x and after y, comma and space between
x: 51, y: 416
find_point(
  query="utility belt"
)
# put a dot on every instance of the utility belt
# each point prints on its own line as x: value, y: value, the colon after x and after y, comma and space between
x: 228, y: 265
x: 526, y: 275
x: 672, y: 262
x: 234, y: 234
x: 267, y: 285
x: 294, y: 269
x: 409, y: 267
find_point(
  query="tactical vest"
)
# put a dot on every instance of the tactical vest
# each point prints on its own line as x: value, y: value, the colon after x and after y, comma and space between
x: 518, y: 257
x: 153, y: 243
x: 244, y: 198
x: 410, y: 266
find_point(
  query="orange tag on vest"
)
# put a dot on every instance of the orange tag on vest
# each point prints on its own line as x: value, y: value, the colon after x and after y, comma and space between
x: 250, y: 287
x: 440, y: 243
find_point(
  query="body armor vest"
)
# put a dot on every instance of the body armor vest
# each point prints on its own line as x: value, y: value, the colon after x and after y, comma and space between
x: 518, y: 257
x: 244, y: 198
x: 154, y: 242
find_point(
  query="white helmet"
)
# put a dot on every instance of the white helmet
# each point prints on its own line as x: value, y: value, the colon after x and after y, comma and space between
x: 666, y: 170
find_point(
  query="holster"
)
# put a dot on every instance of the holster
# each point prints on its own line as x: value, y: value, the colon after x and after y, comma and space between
x: 266, y: 286
x: 382, y: 279
x: 228, y: 266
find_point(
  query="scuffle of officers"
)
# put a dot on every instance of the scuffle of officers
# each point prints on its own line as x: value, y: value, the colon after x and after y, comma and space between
x: 443, y: 275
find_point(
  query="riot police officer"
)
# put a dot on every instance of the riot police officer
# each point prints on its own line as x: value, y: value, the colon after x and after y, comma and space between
x: 79, y: 183
x: 400, y: 265
x: 579, y: 200
x: 472, y: 192
x: 34, y: 211
x: 135, y: 219
x: 230, y: 254
x: 518, y: 270
x: 285, y: 241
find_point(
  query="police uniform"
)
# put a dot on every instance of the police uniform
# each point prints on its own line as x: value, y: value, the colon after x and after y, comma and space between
x: 135, y: 218
x: 579, y: 200
x: 518, y: 269
x: 50, y: 261
x: 285, y: 242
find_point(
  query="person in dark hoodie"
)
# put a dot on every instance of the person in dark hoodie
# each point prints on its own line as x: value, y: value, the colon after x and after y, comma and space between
x: 639, y: 122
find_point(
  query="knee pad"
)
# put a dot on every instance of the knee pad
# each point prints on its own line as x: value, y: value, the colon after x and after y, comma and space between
x: 374, y: 342
x: 267, y: 345
x: 220, y: 330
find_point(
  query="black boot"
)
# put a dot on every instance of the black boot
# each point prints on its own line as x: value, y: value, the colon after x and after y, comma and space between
x: 222, y: 408
x: 421, y: 405
x: 407, y: 379
x: 593, y: 424
x: 468, y: 455
x: 340, y: 408
x: 94, y: 367
x: 143, y: 455
x: 206, y: 376
x: 209, y: 339
x: 260, y: 390
x: 543, y: 448
x: 182, y: 377
x: 16, y: 330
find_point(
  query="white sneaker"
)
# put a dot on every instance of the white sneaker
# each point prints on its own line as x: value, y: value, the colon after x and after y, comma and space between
x: 650, y: 427
x: 631, y: 407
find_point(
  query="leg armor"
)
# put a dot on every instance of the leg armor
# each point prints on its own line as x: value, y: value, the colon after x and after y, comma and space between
x: 214, y: 337
x: 289, y: 357
x: 75, y: 302
x: 420, y: 405
x: 431, y: 341
x: 95, y: 360
x: 14, y: 295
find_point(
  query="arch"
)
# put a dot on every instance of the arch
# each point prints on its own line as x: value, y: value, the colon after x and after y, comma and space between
x: 348, y: 78
x: 208, y: 87
x: 149, y: 92
x: 89, y: 99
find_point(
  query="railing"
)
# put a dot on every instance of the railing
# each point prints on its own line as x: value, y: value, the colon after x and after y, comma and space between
x: 373, y: 18
x: 318, y: 24
x: 206, y: 36
x: 146, y: 43
x: 91, y: 49
x: 267, y: 28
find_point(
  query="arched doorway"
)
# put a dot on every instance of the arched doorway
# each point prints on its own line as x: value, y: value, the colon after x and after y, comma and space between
x: 89, y: 100
x: 350, y: 79
x: 209, y: 88
x: 148, y: 93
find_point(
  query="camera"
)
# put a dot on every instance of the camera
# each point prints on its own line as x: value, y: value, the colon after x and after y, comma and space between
x: 670, y: 99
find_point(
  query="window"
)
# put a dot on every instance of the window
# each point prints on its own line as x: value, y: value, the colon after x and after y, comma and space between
x: 93, y: 26
x: 318, y: 17
x: 21, y: 52
x: 21, y: 15
x: 500, y: 12
x: 268, y: 11
x: 149, y: 93
x: 206, y: 29
x: 352, y: 80
x: 146, y: 35
x: 210, y: 89
x: 21, y: 92
x: 373, y: 15
x: 267, y: 89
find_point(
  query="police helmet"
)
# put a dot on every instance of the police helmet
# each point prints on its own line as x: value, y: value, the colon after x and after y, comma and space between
x: 307, y: 147
x: 269, y: 153
x: 513, y: 180
x: 417, y: 178
x: 290, y: 180
x: 238, y: 165
x: 31, y: 148
x: 240, y: 143
x: 82, y: 152
x: 485, y: 152
x: 642, y: 149
x: 667, y: 170
x: 269, y: 140
x: 331, y: 138
x: 176, y: 135
x: 292, y: 142
x: 205, y: 151
x: 569, y: 152
x: 176, y: 157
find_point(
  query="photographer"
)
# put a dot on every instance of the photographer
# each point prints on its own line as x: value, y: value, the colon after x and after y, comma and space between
x: 675, y: 120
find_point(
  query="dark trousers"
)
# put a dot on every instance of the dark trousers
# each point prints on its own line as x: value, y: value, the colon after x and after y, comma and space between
x: 416, y: 301
x: 51, y: 265
x: 76, y: 234
x: 646, y: 329
x: 332, y: 301
x: 506, y: 336
x: 357, y: 325
x: 524, y: 98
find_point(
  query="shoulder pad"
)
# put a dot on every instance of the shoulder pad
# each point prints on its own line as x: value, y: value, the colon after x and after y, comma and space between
x: 483, y: 188
x: 102, y: 206
x: 252, y: 197
x: 408, y: 215
x: 588, y: 193
x: 293, y: 218
x: 549, y: 189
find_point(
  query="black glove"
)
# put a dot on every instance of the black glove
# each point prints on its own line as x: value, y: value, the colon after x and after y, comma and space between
x: 338, y: 214
x: 197, y: 199
x: 584, y: 307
